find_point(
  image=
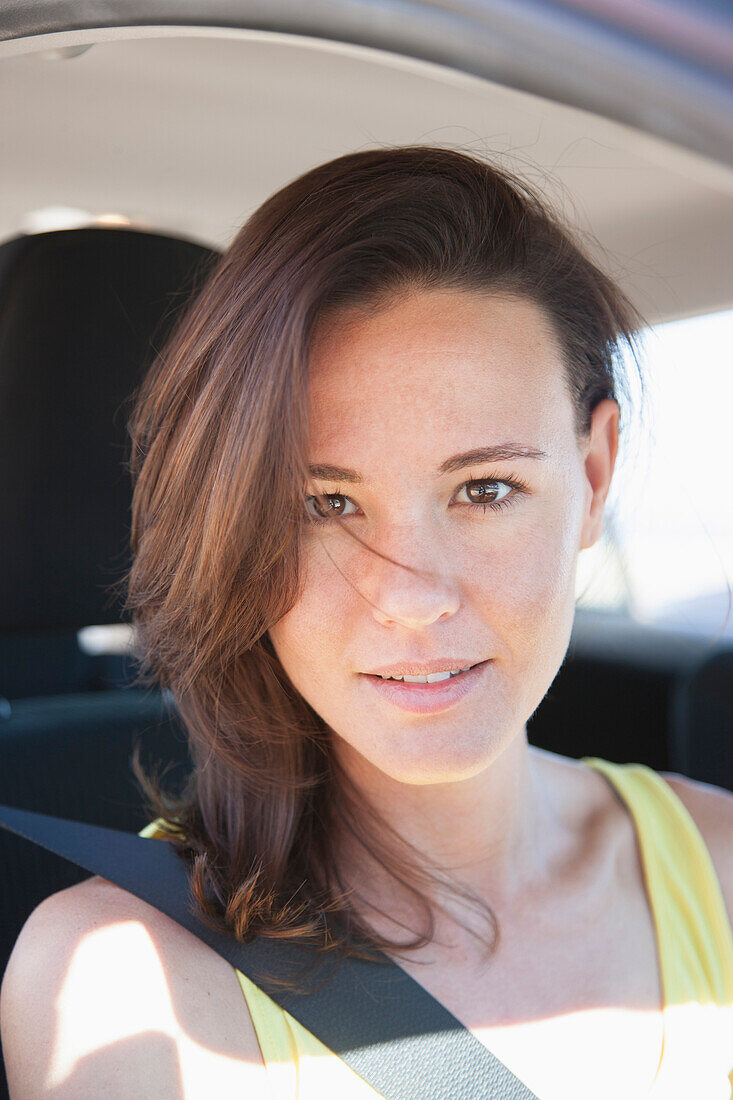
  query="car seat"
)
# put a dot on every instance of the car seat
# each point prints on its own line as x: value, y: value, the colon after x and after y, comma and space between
x: 702, y: 725
x: 82, y: 312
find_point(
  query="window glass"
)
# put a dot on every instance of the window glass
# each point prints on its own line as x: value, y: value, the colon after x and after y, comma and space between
x: 666, y: 556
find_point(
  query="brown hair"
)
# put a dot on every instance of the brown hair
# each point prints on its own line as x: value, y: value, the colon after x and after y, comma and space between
x: 219, y: 464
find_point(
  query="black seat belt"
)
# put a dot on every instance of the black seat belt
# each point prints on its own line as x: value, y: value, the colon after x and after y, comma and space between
x: 373, y: 1015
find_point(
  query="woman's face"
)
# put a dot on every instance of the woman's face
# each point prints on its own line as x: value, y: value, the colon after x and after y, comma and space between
x: 393, y: 396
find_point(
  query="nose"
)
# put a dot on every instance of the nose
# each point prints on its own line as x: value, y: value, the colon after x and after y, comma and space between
x: 416, y: 592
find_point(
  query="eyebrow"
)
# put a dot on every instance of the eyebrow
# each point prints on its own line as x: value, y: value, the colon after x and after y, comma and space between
x: 500, y: 452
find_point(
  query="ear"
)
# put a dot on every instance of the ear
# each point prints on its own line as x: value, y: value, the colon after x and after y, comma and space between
x: 600, y: 459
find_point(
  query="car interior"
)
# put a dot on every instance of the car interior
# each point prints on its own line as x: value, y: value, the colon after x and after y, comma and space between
x: 131, y: 156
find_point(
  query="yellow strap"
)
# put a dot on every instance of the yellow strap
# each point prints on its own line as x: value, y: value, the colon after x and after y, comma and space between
x: 693, y: 928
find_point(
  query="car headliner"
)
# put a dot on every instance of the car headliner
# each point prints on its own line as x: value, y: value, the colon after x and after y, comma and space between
x: 186, y: 129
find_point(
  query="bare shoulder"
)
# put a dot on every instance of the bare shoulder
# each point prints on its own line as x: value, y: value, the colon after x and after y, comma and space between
x: 711, y: 808
x: 104, y: 995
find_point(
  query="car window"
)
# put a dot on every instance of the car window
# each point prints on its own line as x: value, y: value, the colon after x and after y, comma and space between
x: 666, y: 557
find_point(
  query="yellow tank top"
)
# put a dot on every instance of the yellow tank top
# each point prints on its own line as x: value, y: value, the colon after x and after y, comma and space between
x: 695, y: 950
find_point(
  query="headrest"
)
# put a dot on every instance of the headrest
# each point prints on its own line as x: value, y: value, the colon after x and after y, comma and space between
x: 702, y: 719
x: 82, y: 312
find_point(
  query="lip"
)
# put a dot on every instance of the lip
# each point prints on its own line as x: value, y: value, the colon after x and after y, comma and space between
x: 421, y: 668
x: 428, y: 698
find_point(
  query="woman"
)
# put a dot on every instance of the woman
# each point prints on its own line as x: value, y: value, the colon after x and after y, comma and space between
x: 365, y: 465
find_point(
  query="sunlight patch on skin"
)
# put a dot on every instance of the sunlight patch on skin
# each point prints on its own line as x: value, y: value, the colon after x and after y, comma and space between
x: 699, y: 1054
x: 576, y: 1041
x: 112, y: 958
x: 102, y: 958
x: 580, y: 1042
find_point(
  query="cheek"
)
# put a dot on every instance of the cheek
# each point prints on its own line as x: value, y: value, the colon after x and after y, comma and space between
x: 524, y: 592
x: 537, y: 570
x: 530, y: 599
x: 309, y: 640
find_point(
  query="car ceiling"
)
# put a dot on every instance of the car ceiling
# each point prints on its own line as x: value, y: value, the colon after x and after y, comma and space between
x: 187, y: 130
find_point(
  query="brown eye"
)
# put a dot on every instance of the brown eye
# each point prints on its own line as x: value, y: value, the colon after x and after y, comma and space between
x: 323, y: 507
x: 494, y: 499
x: 484, y: 495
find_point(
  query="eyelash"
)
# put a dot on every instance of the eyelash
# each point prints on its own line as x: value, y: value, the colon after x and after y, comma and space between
x: 520, y: 488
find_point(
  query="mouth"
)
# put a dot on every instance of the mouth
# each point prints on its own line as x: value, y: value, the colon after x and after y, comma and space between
x: 424, y: 698
x: 418, y: 683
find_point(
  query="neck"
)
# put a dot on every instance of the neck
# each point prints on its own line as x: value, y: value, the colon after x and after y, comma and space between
x: 502, y: 833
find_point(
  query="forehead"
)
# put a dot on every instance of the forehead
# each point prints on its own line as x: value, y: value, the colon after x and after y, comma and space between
x: 436, y: 366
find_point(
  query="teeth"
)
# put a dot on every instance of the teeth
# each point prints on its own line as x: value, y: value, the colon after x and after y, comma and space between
x: 433, y: 678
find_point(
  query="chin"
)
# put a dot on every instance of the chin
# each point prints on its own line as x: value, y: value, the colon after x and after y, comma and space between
x: 450, y: 763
